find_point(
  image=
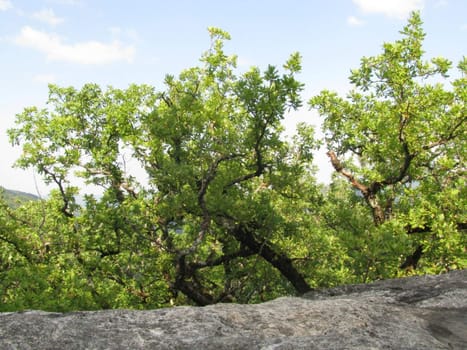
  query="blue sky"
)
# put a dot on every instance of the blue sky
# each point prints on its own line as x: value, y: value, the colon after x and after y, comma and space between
x: 116, y: 42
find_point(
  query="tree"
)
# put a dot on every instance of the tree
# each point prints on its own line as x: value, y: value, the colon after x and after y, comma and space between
x: 218, y: 205
x: 399, y: 140
x: 207, y: 225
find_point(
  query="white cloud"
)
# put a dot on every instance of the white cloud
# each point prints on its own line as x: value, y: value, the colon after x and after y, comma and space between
x: 354, y: 21
x: 5, y: 5
x: 45, y: 78
x: 89, y: 52
x: 399, y: 9
x: 47, y: 16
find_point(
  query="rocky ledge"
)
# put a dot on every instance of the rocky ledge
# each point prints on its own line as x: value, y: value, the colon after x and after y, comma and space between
x: 428, y: 312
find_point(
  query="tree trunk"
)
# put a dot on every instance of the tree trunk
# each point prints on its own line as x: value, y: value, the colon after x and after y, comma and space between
x: 279, y: 260
x: 189, y: 288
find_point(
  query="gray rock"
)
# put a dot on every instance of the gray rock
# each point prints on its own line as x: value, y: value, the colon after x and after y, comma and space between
x: 427, y: 312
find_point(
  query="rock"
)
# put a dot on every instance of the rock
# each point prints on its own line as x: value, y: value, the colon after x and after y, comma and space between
x: 428, y: 312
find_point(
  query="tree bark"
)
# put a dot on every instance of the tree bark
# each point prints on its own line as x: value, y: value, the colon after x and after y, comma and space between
x: 187, y: 287
x: 279, y: 260
x: 368, y: 192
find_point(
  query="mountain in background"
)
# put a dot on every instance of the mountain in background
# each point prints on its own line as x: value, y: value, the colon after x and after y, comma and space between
x: 16, y: 198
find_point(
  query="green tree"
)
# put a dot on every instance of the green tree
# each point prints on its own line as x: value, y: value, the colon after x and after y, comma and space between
x: 399, y: 140
x: 215, y: 218
x: 227, y: 209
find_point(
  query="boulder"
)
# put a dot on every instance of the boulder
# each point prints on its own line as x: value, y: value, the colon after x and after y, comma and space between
x: 425, y: 312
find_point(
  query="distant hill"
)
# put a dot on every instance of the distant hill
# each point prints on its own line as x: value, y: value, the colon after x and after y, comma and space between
x: 16, y: 198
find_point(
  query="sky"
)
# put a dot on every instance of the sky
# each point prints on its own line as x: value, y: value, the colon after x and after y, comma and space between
x: 117, y: 43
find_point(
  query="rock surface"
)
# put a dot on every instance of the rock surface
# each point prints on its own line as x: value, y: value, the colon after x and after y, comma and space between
x: 428, y: 312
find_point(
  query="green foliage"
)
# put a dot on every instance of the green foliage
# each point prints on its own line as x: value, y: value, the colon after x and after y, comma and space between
x: 399, y: 139
x: 207, y: 224
x: 227, y: 208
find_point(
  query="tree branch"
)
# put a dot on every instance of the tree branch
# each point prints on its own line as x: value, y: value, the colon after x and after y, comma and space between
x: 279, y: 260
x: 66, y: 202
x: 241, y: 253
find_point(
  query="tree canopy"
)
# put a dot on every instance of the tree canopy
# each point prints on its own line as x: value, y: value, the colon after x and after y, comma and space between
x: 227, y: 208
x: 399, y: 139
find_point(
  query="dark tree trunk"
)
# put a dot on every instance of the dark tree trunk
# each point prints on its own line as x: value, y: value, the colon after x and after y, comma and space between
x: 411, y: 261
x: 279, y: 260
x: 188, y: 287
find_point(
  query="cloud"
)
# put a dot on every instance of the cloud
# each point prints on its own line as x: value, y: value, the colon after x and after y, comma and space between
x: 47, y: 16
x: 399, y: 9
x: 5, y: 5
x: 89, y: 52
x: 354, y: 21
